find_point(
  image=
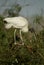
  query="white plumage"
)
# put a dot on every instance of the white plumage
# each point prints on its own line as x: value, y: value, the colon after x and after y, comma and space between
x: 17, y: 22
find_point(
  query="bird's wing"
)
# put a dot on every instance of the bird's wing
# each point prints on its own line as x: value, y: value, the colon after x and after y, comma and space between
x: 18, y: 21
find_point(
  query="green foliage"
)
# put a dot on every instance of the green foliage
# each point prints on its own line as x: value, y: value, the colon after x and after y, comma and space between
x: 32, y: 53
x: 13, y: 11
x: 39, y: 19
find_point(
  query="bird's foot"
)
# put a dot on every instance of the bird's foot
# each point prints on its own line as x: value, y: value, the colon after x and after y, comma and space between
x: 22, y: 43
x: 15, y: 43
x: 19, y: 43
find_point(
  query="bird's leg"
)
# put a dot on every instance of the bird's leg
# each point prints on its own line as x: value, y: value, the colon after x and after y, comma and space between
x: 21, y: 38
x: 15, y: 37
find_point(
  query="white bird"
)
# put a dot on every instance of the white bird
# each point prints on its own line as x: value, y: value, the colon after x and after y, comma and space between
x: 19, y: 22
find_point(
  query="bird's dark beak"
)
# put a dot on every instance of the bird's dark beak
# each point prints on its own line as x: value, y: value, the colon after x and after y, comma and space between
x: 31, y: 30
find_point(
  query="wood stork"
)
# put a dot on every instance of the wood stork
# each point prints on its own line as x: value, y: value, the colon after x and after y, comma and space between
x: 19, y: 22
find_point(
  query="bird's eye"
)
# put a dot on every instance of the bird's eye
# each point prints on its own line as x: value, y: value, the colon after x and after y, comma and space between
x: 5, y: 22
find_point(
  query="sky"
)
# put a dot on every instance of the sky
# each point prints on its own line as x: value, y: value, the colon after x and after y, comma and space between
x: 35, y: 6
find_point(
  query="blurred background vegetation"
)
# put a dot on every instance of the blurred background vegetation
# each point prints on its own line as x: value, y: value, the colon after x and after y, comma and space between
x: 32, y: 53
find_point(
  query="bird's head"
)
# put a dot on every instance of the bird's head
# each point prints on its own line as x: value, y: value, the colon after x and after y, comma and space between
x: 7, y: 25
x: 32, y: 30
